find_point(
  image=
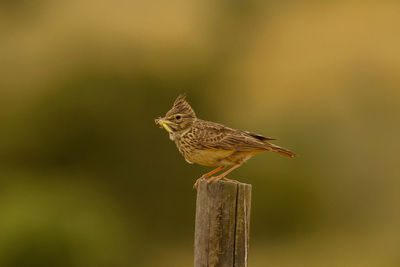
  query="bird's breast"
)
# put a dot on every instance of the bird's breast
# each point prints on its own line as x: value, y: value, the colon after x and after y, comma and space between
x: 200, y: 155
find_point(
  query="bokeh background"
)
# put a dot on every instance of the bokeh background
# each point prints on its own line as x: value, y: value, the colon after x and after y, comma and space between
x: 87, y: 179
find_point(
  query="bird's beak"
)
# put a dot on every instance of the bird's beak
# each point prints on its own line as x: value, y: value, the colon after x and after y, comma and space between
x: 163, y: 124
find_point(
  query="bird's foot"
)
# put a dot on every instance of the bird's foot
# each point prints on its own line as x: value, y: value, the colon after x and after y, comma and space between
x: 213, y: 178
x: 203, y: 177
x: 207, y: 175
x: 220, y: 177
x: 230, y: 180
x: 196, y: 184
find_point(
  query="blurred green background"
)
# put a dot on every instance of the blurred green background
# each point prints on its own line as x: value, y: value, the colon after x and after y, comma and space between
x: 87, y: 179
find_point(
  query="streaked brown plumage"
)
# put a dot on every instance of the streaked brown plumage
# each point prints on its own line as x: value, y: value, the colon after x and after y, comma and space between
x: 212, y: 144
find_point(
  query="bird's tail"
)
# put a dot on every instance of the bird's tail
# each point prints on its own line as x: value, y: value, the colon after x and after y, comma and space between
x: 281, y: 150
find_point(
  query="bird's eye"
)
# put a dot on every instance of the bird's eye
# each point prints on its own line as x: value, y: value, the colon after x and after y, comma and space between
x: 178, y: 117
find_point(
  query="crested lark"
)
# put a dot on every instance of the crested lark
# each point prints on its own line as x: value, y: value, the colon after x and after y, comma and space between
x: 212, y: 144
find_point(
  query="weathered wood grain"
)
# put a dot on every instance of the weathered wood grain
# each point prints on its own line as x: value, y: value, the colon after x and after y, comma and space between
x: 222, y: 224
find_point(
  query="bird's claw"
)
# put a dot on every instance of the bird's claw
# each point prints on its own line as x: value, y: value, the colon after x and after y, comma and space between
x: 213, y: 178
x: 196, y: 184
x: 217, y: 178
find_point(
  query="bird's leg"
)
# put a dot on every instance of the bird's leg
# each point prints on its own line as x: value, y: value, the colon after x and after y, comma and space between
x: 222, y: 175
x: 208, y: 174
x: 205, y: 176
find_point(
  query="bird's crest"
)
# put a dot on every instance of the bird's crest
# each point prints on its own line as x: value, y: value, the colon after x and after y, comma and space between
x: 181, y: 106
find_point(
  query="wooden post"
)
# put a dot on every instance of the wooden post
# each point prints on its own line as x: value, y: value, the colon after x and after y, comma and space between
x: 222, y: 224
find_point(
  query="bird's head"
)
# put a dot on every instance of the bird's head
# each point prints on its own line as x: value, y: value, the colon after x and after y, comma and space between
x: 178, y: 119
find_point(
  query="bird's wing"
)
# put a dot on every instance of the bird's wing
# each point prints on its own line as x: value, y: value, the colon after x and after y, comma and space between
x: 217, y: 136
x: 259, y: 136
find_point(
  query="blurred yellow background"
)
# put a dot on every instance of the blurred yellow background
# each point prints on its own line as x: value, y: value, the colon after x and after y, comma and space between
x: 87, y: 179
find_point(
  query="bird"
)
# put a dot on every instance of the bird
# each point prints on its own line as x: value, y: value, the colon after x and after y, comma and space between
x: 213, y: 144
